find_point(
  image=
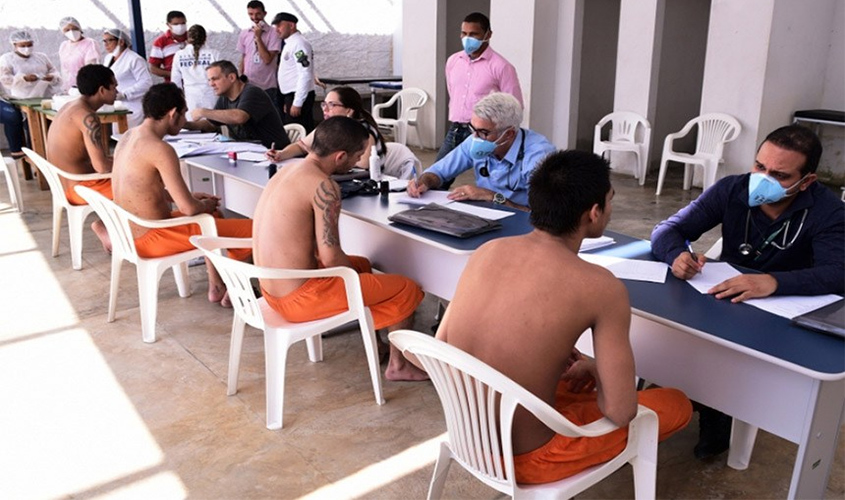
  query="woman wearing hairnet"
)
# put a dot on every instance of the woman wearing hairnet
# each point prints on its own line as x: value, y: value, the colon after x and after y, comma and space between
x: 130, y: 70
x: 75, y: 52
x: 23, y: 74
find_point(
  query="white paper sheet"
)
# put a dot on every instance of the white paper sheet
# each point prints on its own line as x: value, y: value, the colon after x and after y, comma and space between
x: 593, y: 243
x: 711, y: 275
x: 250, y: 156
x: 190, y: 136
x: 486, y: 213
x: 790, y: 306
x: 439, y: 197
x: 186, y: 148
x: 630, y: 269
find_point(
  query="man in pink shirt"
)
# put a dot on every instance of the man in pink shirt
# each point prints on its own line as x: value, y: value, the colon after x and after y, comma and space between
x: 471, y: 74
x: 259, y: 47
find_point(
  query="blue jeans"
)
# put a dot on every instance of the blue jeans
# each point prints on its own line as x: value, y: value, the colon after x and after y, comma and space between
x: 12, y: 120
x: 458, y: 132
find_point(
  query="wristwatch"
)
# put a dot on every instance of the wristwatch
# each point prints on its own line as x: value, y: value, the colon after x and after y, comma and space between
x: 499, y: 199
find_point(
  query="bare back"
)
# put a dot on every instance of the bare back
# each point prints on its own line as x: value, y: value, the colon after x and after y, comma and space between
x: 75, y: 141
x: 520, y: 306
x: 295, y: 218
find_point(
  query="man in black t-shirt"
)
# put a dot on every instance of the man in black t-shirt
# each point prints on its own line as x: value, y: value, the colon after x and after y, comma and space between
x: 244, y: 108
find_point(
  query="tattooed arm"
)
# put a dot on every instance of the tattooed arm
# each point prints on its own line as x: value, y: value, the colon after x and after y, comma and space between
x: 92, y: 134
x: 326, y: 203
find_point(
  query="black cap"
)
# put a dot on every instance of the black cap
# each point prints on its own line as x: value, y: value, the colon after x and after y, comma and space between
x: 284, y: 16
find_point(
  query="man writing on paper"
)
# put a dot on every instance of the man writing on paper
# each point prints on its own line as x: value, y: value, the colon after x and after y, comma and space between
x: 522, y: 303
x: 147, y: 179
x: 296, y: 227
x: 775, y: 219
x: 502, y: 154
x: 243, y: 107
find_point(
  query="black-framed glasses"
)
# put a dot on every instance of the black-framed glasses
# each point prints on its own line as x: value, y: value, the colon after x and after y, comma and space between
x: 331, y: 105
x: 481, y: 133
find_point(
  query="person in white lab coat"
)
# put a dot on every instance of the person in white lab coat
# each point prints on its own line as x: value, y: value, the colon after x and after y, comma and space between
x: 23, y: 74
x: 130, y: 70
x: 188, y: 71
x: 75, y: 52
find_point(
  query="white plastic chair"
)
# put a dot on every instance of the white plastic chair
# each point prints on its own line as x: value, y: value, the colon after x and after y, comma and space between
x: 280, y: 334
x: 295, y: 132
x: 714, y: 130
x: 10, y: 169
x: 410, y: 101
x: 479, y: 403
x: 629, y: 132
x: 149, y: 270
x: 715, y: 251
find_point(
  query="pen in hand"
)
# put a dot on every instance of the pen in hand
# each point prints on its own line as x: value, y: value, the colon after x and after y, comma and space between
x: 271, y: 153
x: 696, y: 262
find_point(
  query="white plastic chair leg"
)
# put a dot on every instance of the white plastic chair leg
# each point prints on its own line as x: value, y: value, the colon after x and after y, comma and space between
x: 275, y: 360
x: 401, y: 132
x: 13, y: 183
x: 689, y: 170
x: 148, y: 277
x: 183, y: 284
x: 645, y: 463
x: 369, y: 336
x: 235, y: 348
x: 57, y: 228
x: 116, y: 263
x: 661, y: 176
x: 641, y: 168
x: 743, y: 436
x: 710, y: 171
x: 314, y: 344
x: 441, y: 470
x: 75, y: 226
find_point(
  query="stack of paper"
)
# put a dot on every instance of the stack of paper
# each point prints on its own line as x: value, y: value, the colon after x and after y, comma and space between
x: 630, y: 269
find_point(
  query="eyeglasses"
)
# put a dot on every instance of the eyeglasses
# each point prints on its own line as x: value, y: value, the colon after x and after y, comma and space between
x: 331, y: 105
x: 481, y: 132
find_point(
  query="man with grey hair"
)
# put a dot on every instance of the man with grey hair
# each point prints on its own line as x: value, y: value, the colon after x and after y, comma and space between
x: 502, y: 154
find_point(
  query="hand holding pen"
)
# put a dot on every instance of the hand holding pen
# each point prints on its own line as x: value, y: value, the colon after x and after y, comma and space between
x: 688, y: 263
x: 271, y: 153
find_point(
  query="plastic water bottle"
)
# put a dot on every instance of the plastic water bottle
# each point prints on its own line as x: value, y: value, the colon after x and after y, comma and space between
x: 375, y: 165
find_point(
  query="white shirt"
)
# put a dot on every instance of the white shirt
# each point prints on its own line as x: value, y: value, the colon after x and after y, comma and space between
x: 13, y: 67
x: 133, y: 81
x: 188, y: 72
x: 296, y: 69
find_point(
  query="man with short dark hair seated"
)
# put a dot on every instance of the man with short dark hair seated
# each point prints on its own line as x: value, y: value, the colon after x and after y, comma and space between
x: 244, y: 108
x: 147, y: 179
x: 522, y: 303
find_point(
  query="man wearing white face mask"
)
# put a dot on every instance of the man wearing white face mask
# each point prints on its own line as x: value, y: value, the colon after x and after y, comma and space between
x: 166, y: 45
x: 471, y: 74
x: 75, y: 52
x: 502, y: 154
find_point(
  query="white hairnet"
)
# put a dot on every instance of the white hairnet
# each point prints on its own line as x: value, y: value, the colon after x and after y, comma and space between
x: 20, y: 36
x: 68, y: 20
x: 120, y: 35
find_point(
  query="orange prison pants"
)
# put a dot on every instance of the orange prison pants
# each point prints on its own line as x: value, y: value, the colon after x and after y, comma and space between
x: 564, y: 456
x: 390, y: 297
x: 102, y: 186
x: 172, y: 240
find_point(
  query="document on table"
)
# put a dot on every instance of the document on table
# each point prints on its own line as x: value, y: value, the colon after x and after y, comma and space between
x: 790, y: 306
x: 484, y: 213
x: 630, y: 269
x: 711, y: 275
x: 593, y: 243
x: 250, y: 156
x: 439, y: 197
x: 187, y: 148
x: 192, y: 136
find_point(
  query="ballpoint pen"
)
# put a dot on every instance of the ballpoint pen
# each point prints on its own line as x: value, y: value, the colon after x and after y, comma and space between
x: 691, y: 251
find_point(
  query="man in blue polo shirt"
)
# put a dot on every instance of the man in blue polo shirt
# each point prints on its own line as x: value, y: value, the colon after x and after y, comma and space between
x: 502, y: 154
x: 775, y: 219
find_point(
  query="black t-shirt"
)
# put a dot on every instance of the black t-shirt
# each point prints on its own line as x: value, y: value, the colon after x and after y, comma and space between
x: 264, y: 123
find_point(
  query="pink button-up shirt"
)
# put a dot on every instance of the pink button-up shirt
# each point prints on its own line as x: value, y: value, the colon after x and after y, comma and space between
x: 260, y: 74
x: 468, y: 80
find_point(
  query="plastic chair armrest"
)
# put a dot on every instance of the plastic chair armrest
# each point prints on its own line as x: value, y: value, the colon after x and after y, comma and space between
x: 205, y: 221
x: 83, y: 177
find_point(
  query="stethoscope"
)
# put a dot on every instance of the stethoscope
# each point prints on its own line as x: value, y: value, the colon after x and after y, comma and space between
x: 485, y: 171
x: 745, y: 248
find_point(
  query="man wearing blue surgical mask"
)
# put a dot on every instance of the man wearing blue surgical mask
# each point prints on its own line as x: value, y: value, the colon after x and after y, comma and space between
x: 776, y: 220
x: 471, y: 74
x: 501, y: 153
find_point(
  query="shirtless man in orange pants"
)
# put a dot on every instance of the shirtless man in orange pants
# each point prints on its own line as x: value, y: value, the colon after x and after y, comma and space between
x: 296, y: 227
x: 521, y: 304
x: 75, y: 142
x: 147, y: 179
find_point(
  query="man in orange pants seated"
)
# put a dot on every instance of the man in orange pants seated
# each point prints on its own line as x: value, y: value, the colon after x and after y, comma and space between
x: 75, y: 139
x: 522, y: 303
x: 296, y: 227
x: 147, y: 179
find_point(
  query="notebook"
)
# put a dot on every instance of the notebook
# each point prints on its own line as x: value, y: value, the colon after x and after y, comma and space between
x: 828, y: 319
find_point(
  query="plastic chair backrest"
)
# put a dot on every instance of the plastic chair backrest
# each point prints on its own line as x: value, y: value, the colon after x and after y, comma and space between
x: 116, y: 220
x: 51, y: 175
x: 714, y: 130
x: 410, y: 100
x: 627, y: 126
x: 295, y: 132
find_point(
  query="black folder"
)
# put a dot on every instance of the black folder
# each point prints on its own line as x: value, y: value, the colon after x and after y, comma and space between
x: 828, y: 319
x: 444, y: 220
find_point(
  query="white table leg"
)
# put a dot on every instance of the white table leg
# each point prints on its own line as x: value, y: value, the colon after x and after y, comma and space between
x: 743, y: 436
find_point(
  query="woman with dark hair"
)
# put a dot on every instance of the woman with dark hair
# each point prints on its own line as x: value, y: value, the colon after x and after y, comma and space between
x: 346, y: 101
x: 188, y: 72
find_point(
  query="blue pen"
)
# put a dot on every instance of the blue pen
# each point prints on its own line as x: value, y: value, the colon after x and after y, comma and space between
x: 691, y: 251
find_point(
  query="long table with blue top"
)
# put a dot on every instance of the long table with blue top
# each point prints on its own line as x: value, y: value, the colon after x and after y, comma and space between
x: 741, y: 360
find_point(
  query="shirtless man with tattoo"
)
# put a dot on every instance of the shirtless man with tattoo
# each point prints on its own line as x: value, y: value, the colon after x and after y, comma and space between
x: 296, y: 227
x: 75, y: 139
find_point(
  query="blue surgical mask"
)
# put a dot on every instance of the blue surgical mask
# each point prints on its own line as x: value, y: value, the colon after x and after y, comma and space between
x: 481, y: 148
x: 471, y: 44
x: 764, y: 189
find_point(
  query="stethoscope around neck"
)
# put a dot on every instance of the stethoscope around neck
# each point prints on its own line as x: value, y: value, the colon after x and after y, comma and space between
x: 485, y: 171
x: 746, y: 248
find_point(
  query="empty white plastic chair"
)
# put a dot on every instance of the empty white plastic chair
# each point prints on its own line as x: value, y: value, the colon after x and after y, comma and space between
x: 76, y: 214
x: 479, y: 403
x: 10, y: 169
x: 280, y: 334
x: 149, y: 270
x: 714, y: 130
x: 629, y: 132
x: 295, y: 132
x: 410, y: 101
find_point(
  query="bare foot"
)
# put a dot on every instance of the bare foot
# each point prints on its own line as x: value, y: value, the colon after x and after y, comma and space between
x: 226, y: 301
x: 217, y: 293
x: 399, y: 368
x: 100, y: 230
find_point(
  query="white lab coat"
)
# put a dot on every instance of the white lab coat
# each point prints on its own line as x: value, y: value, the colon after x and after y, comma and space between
x: 189, y: 74
x: 13, y: 67
x: 73, y: 56
x: 133, y: 80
